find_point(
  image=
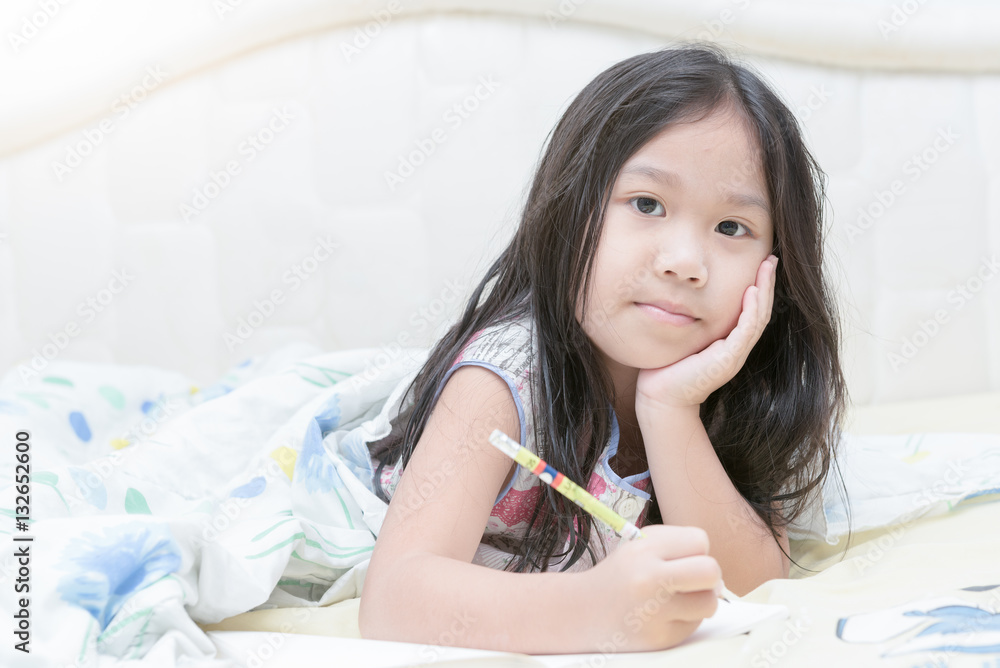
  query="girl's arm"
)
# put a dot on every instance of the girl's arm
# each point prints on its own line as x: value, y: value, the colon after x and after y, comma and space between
x: 692, y: 487
x: 421, y: 586
x: 697, y: 491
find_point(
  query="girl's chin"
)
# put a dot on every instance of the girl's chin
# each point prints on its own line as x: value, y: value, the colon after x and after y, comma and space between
x: 659, y: 365
x: 650, y: 355
x: 660, y: 358
x: 654, y: 360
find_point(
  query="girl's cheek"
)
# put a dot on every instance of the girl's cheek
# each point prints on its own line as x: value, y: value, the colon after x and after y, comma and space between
x: 731, y: 324
x: 734, y: 308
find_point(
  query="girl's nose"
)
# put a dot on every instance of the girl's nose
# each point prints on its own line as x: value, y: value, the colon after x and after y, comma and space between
x: 682, y: 257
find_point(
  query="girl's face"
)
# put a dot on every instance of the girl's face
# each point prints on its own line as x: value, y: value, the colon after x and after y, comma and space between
x: 686, y: 229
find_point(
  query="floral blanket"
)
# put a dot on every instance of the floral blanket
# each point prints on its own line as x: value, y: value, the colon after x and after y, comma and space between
x: 152, y: 504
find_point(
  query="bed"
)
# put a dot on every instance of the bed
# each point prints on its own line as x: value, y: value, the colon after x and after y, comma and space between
x: 197, y: 218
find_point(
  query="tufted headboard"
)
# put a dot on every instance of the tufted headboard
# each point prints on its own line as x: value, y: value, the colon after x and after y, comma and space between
x: 186, y: 184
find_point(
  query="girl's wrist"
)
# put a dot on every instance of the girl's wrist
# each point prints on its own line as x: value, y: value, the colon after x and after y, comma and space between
x: 590, y: 622
x: 654, y: 413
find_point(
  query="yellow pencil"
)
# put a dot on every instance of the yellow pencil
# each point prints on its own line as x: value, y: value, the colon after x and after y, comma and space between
x: 564, y: 485
x: 570, y: 489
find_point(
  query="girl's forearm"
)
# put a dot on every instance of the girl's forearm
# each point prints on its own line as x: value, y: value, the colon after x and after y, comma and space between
x: 431, y: 599
x: 692, y: 488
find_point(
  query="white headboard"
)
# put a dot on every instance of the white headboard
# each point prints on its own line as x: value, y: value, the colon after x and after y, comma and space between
x: 189, y: 183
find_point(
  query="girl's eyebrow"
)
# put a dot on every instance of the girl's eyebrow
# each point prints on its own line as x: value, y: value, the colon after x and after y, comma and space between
x: 671, y: 179
x: 747, y: 199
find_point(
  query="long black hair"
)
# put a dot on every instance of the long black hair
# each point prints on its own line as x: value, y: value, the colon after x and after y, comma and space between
x: 774, y: 426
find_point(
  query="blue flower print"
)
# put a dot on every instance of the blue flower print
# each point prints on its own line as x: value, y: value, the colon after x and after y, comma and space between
x: 353, y: 450
x: 313, y: 468
x: 250, y: 489
x: 952, y: 620
x: 91, y: 488
x: 106, y: 568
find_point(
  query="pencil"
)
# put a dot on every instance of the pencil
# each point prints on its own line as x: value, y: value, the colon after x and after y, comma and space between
x: 563, y: 485
x: 571, y: 490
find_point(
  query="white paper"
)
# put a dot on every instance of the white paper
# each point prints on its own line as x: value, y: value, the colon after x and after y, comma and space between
x: 277, y: 650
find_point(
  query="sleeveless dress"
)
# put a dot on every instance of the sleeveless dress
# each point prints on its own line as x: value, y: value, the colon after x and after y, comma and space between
x: 507, y: 349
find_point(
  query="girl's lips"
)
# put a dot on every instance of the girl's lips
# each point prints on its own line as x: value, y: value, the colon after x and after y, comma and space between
x: 665, y: 316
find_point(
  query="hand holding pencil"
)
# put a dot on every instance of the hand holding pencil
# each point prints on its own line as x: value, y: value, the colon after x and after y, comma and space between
x: 571, y: 490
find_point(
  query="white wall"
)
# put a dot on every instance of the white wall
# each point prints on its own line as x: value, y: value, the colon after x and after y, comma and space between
x: 161, y: 96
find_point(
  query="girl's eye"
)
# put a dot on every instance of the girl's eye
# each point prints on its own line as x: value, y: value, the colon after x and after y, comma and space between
x: 731, y: 228
x: 647, y: 205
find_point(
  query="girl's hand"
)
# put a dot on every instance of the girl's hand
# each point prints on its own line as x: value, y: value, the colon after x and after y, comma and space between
x: 653, y: 591
x: 689, y: 381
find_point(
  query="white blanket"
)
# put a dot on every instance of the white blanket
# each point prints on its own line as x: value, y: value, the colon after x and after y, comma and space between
x: 153, y: 506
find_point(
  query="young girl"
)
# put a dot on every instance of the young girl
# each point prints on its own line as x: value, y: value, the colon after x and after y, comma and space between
x: 639, y: 334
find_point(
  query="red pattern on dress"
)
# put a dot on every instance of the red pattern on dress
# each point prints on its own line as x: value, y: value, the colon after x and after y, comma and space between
x: 517, y: 506
x: 596, y: 486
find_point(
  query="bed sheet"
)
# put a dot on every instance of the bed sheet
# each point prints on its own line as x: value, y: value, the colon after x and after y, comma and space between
x: 922, y: 594
x: 160, y: 510
x: 909, y: 563
x: 971, y: 413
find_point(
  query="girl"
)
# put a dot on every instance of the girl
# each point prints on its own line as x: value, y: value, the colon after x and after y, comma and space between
x: 627, y: 335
